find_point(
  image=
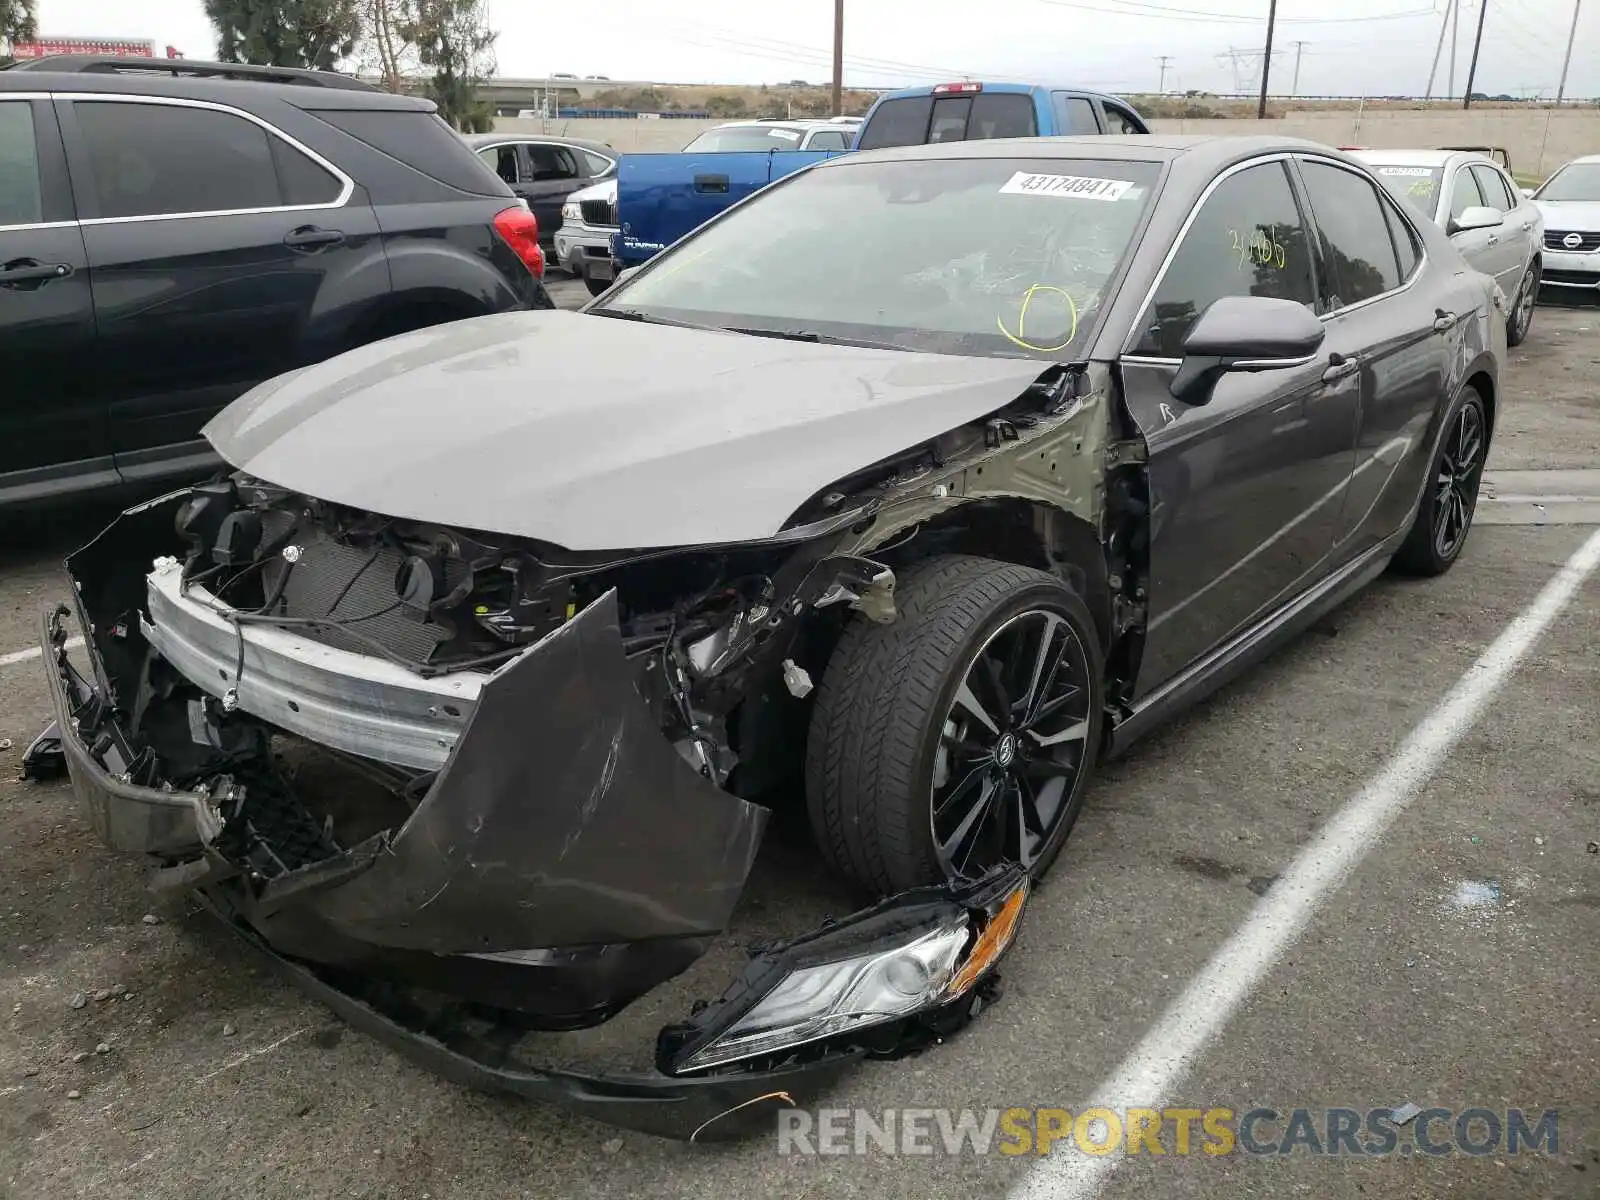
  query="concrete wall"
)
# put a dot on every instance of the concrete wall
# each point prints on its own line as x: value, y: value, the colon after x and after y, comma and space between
x: 1539, y: 140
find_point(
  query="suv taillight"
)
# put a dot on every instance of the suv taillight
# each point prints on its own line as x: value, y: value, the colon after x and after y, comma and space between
x: 519, y: 229
x: 952, y: 89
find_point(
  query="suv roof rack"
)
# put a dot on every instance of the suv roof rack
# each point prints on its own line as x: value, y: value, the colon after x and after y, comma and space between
x: 95, y: 64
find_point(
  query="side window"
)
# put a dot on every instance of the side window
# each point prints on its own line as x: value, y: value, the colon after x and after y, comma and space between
x: 1464, y: 194
x: 1405, y: 241
x: 1356, y: 242
x: 552, y: 163
x: 161, y: 159
x: 302, y: 181
x: 1002, y: 115
x: 1074, y: 114
x: 829, y: 139
x: 502, y: 160
x: 21, y: 193
x: 596, y: 164
x: 1120, y: 120
x: 1247, y: 240
x: 1492, y: 185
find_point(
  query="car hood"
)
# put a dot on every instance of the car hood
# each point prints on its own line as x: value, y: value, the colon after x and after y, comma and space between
x: 598, y: 433
x: 1582, y: 216
x: 606, y: 189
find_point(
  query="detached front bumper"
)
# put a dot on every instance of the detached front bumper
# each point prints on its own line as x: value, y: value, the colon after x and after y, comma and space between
x: 564, y: 859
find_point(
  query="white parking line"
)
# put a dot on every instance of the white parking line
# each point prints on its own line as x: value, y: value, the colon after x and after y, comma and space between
x: 33, y: 652
x: 1147, y: 1077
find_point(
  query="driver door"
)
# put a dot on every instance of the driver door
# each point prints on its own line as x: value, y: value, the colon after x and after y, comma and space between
x: 1245, y: 490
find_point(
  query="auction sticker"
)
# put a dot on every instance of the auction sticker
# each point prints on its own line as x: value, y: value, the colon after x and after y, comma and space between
x: 1408, y: 172
x: 1026, y: 183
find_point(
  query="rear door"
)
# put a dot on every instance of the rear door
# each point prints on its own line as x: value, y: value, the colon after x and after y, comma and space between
x: 1391, y: 341
x: 53, y: 433
x: 554, y: 173
x: 221, y: 253
x: 1075, y: 115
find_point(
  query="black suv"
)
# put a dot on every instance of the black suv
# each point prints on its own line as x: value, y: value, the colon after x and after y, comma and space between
x: 172, y: 235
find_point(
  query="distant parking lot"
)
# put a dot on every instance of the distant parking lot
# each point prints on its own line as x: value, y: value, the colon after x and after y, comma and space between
x: 142, y: 1055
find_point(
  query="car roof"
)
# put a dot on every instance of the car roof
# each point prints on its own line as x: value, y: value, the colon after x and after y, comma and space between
x: 1418, y: 158
x: 239, y: 92
x: 782, y: 123
x: 1586, y: 159
x: 479, y: 140
x: 927, y: 90
x: 1199, y: 152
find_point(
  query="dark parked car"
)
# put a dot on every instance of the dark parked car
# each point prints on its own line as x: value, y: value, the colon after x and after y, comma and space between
x: 544, y: 171
x: 927, y: 476
x: 172, y: 236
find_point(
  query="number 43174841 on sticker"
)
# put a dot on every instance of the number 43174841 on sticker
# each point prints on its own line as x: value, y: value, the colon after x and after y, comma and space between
x: 1075, y: 187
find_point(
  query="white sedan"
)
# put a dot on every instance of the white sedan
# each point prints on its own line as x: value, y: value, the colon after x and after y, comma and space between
x: 1495, y: 227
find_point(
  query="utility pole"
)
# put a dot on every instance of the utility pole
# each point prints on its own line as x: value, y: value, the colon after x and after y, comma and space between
x: 1164, y: 59
x: 838, y: 58
x: 1299, y: 49
x: 1455, y: 24
x: 1266, y: 60
x: 1438, y: 49
x: 1561, y: 88
x: 1472, y: 71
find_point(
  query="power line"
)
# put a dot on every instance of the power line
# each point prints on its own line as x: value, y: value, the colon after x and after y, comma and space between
x: 1137, y: 8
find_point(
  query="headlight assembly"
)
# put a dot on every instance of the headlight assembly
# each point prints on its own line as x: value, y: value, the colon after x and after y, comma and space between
x: 919, y: 953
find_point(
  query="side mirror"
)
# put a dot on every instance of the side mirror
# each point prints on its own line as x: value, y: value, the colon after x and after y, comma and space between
x: 1477, y: 217
x: 1244, y: 333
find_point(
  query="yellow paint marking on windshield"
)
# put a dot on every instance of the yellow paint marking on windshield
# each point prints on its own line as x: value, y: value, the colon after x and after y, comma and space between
x: 1019, y: 338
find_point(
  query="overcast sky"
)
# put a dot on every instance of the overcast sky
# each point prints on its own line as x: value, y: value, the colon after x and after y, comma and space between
x: 1375, y: 47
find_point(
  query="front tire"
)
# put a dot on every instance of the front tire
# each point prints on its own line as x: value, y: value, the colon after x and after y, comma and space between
x: 960, y: 735
x: 596, y: 286
x: 1450, y: 496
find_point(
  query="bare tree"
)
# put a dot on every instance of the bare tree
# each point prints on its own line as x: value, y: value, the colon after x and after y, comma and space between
x: 387, y: 48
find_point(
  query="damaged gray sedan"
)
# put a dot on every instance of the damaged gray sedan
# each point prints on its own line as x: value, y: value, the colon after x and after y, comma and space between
x: 898, y: 493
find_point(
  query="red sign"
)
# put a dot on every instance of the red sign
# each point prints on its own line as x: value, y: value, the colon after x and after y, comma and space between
x: 114, y: 47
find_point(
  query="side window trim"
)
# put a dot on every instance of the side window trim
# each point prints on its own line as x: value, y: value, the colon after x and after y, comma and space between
x: 1177, y: 243
x: 55, y: 187
x: 1383, y: 198
x: 78, y: 157
x: 1321, y: 271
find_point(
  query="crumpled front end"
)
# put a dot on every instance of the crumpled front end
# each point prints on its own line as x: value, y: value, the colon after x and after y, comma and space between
x: 456, y: 848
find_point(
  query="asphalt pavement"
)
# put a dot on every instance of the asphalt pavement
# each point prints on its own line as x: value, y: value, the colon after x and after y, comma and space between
x: 1455, y: 967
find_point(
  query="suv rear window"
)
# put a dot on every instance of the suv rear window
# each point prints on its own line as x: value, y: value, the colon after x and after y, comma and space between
x: 918, y: 120
x: 420, y: 140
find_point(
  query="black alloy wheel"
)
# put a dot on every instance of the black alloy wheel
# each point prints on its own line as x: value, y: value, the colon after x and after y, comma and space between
x: 1450, y: 496
x: 960, y: 735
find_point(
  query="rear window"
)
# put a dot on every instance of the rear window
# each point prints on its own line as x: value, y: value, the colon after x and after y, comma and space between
x: 949, y: 119
x: 1417, y: 186
x: 423, y: 142
x: 746, y: 137
x: 920, y: 120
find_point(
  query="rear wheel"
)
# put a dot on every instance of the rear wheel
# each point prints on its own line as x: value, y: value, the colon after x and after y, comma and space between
x: 595, y: 286
x: 961, y: 735
x: 1521, y: 318
x: 1451, y: 494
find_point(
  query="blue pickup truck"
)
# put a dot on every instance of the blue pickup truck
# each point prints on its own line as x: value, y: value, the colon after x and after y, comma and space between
x: 661, y: 197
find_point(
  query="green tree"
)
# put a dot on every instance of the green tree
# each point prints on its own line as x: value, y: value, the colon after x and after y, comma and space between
x: 17, y: 24
x: 454, y: 41
x: 285, y: 33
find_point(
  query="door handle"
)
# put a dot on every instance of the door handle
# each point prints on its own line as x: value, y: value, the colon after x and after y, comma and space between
x: 711, y: 184
x: 28, y: 270
x: 311, y: 237
x: 1341, y: 365
x: 1444, y: 321
x: 1494, y: 240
